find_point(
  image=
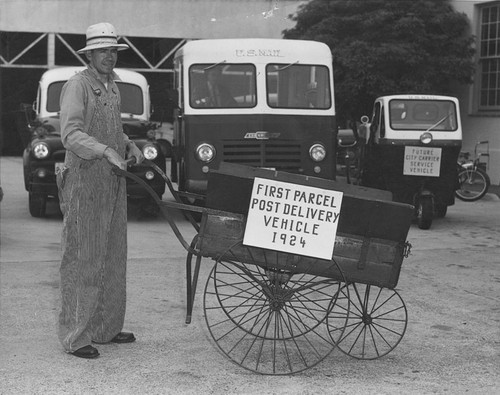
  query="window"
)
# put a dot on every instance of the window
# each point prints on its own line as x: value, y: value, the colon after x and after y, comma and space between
x: 489, y: 97
x: 375, y: 119
x: 53, y: 96
x: 298, y: 86
x: 222, y: 86
x: 132, y: 98
x: 437, y: 115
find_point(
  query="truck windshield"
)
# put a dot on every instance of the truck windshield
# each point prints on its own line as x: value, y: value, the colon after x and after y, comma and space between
x: 53, y: 96
x: 298, y: 86
x: 425, y: 115
x: 222, y: 85
x: 131, y: 97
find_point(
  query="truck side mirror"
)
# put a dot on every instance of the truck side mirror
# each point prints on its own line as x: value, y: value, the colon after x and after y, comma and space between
x: 364, y: 129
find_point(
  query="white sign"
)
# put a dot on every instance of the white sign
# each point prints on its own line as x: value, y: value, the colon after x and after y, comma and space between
x: 293, y: 218
x: 422, y: 161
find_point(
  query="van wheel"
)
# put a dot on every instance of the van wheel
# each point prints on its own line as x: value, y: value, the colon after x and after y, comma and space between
x: 425, y: 212
x: 37, y: 204
x: 440, y: 210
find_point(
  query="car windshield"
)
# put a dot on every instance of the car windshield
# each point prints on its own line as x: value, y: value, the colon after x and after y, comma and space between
x: 423, y: 115
x: 298, y: 86
x: 222, y: 86
x: 131, y: 97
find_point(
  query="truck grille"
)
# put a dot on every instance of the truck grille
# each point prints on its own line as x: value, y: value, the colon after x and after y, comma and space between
x: 277, y: 155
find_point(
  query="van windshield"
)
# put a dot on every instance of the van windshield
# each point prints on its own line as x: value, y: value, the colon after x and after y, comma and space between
x: 298, y: 86
x: 131, y: 97
x: 423, y: 115
x: 222, y: 86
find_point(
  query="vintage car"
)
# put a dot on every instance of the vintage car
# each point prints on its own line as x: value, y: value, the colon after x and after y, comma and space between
x: 44, y: 151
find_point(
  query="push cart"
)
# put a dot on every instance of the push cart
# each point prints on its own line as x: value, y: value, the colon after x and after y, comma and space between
x: 275, y: 312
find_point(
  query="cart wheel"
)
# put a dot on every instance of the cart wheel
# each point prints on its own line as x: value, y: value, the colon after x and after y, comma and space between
x: 268, y: 320
x: 376, y: 321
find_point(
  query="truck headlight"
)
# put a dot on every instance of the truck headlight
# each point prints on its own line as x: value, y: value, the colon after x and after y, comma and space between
x: 150, y: 151
x: 205, y: 152
x: 317, y: 152
x: 41, y: 150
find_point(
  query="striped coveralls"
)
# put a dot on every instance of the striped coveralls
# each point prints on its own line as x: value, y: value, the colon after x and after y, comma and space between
x: 94, y: 204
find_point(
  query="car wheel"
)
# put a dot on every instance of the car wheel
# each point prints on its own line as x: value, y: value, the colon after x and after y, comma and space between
x: 37, y: 204
x: 149, y: 208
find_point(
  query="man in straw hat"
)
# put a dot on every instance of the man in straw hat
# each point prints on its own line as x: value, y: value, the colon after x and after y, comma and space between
x: 94, y: 202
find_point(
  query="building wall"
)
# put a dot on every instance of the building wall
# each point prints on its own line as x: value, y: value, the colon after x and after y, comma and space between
x: 160, y: 24
x: 478, y: 126
x: 152, y: 18
x: 216, y: 19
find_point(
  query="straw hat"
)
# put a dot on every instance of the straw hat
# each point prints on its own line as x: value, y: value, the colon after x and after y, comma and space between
x: 102, y: 35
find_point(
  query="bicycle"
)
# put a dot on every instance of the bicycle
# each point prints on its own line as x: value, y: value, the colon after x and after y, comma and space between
x: 349, y: 155
x: 473, y: 179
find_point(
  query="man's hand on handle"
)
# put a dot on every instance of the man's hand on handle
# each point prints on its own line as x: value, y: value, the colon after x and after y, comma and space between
x: 112, y: 157
x: 134, y: 152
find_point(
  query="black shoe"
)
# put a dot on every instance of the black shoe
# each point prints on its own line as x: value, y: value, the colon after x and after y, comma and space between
x: 123, y: 337
x: 86, y: 352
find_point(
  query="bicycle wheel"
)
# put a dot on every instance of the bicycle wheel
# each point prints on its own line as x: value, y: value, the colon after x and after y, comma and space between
x: 376, y: 321
x: 474, y: 184
x: 269, y: 320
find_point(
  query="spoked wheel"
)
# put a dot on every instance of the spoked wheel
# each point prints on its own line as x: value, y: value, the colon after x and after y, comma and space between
x: 269, y: 320
x: 474, y: 184
x: 376, y: 321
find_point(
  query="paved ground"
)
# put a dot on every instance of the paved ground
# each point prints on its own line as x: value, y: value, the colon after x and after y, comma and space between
x: 494, y: 189
x: 450, y: 284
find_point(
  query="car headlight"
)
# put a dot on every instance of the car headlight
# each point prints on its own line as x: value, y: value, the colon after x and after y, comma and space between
x: 317, y: 152
x: 41, y: 150
x: 205, y: 152
x: 426, y: 138
x: 150, y: 151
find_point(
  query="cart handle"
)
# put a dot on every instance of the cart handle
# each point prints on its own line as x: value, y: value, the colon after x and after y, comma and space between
x: 173, y: 191
x: 130, y: 161
x: 164, y: 206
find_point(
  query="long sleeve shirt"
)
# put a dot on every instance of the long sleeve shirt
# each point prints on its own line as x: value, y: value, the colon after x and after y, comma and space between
x: 77, y: 100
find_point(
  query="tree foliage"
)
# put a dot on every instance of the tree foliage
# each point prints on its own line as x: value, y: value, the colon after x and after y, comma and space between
x: 382, y: 47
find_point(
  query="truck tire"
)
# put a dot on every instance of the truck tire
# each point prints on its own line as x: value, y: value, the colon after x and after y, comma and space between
x: 37, y: 204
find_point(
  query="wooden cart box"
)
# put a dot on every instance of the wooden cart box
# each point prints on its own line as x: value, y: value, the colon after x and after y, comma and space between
x: 371, y: 234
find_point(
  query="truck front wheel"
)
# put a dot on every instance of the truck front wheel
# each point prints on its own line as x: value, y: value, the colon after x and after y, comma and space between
x: 37, y: 204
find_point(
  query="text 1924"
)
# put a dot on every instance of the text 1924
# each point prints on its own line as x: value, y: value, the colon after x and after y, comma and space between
x: 286, y: 239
